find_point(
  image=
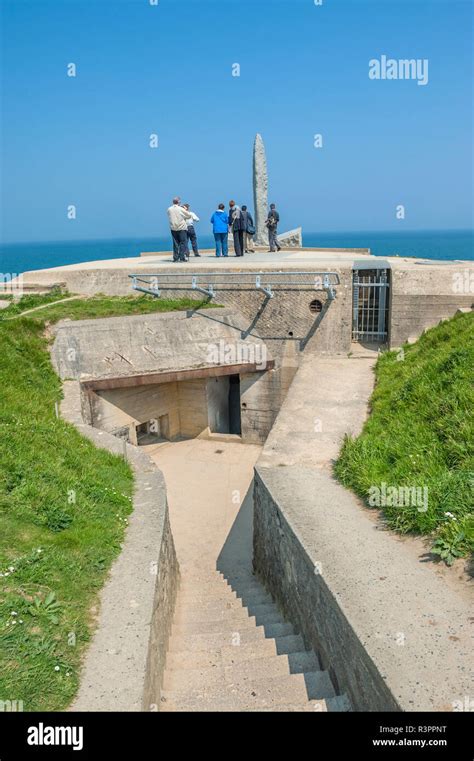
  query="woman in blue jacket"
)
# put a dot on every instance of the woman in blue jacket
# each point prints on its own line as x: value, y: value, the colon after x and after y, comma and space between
x: 220, y: 226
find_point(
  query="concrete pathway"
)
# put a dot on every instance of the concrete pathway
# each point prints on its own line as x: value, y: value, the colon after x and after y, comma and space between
x: 328, y: 398
x: 412, y: 618
x: 230, y: 648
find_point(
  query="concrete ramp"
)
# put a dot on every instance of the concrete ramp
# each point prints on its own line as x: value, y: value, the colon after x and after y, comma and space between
x: 392, y: 630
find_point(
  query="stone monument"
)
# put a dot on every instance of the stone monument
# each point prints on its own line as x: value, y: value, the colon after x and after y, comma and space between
x: 260, y: 191
x: 291, y: 239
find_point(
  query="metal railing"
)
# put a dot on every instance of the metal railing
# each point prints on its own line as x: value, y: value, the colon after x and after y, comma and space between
x: 208, y: 283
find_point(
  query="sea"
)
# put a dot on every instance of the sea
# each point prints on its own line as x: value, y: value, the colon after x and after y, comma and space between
x: 447, y: 245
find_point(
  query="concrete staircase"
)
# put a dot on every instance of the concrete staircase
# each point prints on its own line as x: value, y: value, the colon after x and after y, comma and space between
x: 231, y: 650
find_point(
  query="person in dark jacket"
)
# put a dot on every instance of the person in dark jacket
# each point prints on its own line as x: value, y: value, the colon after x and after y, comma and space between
x: 192, y: 237
x: 248, y: 237
x: 272, y: 226
x: 236, y: 225
x: 220, y: 227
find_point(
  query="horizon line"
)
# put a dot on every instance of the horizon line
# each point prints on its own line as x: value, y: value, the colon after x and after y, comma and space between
x: 310, y: 232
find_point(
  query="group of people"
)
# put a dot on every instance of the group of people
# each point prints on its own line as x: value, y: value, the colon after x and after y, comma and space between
x: 237, y: 220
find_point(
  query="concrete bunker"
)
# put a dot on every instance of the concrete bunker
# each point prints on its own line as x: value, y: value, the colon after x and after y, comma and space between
x: 116, y: 361
x: 143, y: 410
x: 173, y: 376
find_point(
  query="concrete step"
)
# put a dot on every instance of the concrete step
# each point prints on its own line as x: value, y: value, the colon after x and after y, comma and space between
x: 281, y: 688
x: 312, y: 706
x: 208, y: 577
x: 246, y: 693
x: 225, y: 656
x: 206, y: 705
x: 235, y: 623
x: 213, y: 614
x: 228, y: 654
x: 186, y: 640
x: 269, y: 617
x: 206, y: 589
x: 291, y: 643
x: 255, y: 669
x: 278, y: 630
x: 257, y: 597
x: 339, y: 704
x: 267, y: 611
x: 318, y: 685
x: 245, y: 586
x: 205, y: 576
x: 302, y: 662
x: 232, y: 627
x: 253, y: 594
x: 218, y: 605
x: 194, y: 659
x: 214, y: 596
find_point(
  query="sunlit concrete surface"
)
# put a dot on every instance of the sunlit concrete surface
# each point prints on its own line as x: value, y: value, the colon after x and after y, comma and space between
x: 230, y: 647
x: 207, y: 482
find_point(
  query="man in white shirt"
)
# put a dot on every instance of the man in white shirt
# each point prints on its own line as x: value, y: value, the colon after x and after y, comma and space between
x: 178, y: 217
x: 192, y: 237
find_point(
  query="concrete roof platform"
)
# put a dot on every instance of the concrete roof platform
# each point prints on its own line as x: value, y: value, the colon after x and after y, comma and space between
x: 111, y: 276
x: 286, y: 259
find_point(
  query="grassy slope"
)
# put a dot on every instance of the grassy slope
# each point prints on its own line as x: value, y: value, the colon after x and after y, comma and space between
x: 63, y: 511
x: 421, y: 433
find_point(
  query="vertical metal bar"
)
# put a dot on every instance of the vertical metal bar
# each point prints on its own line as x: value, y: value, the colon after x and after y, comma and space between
x: 364, y: 308
x: 374, y: 306
x: 367, y: 306
x: 382, y: 327
x: 355, y: 305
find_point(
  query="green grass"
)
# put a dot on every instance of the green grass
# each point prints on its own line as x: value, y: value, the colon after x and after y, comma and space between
x: 32, y: 300
x: 95, y: 307
x: 64, y: 507
x: 421, y: 434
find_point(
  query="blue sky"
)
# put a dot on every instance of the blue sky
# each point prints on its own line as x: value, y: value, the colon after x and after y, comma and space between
x: 167, y: 69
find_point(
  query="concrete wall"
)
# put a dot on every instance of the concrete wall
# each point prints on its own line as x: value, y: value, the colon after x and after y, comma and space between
x: 114, y: 409
x: 124, y: 664
x: 218, y: 404
x: 285, y: 317
x: 289, y: 571
x: 192, y: 406
x: 117, y: 347
x: 185, y: 403
x: 422, y: 297
x: 422, y: 293
x: 192, y: 401
x: 260, y: 395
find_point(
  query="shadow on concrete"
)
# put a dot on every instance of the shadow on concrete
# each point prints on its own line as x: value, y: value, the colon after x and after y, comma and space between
x: 235, y: 558
x: 304, y: 341
x: 253, y: 328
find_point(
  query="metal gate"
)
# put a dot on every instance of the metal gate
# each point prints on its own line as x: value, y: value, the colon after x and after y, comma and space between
x: 370, y: 305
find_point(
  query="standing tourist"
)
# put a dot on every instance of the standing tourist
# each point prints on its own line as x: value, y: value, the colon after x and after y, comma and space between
x: 272, y: 225
x: 249, y: 231
x: 236, y: 225
x: 192, y: 237
x: 220, y: 227
x: 177, y: 217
